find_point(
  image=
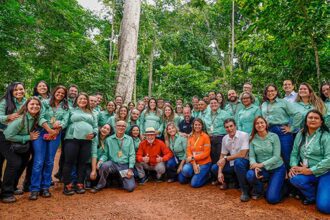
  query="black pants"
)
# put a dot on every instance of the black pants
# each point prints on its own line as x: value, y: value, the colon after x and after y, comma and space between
x: 16, y: 164
x: 77, y: 153
x: 61, y: 160
x: 216, y: 142
x: 2, y: 160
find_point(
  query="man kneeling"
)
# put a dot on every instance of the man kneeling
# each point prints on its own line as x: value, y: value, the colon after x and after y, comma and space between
x: 236, y: 144
x: 118, y: 158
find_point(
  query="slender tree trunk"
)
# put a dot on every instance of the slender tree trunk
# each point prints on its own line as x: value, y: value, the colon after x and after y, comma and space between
x: 151, y: 61
x: 232, y: 37
x: 112, y: 22
x: 128, y: 39
x: 317, y: 61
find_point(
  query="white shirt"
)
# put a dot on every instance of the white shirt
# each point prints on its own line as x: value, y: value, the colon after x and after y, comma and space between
x: 234, y: 145
x: 291, y: 97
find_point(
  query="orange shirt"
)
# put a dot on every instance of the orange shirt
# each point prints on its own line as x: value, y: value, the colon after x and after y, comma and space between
x: 158, y: 147
x: 199, y: 148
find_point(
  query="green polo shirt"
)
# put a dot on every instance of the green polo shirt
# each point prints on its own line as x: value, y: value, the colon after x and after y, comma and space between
x: 327, y: 116
x: 266, y: 151
x: 3, y: 115
x: 136, y: 142
x: 178, y: 146
x: 60, y: 114
x: 15, y: 132
x: 245, y: 118
x: 151, y: 120
x: 214, y: 122
x: 97, y: 150
x: 195, y: 113
x: 279, y: 113
x: 113, y: 145
x: 80, y: 124
x: 234, y: 108
x: 103, y: 117
x: 315, y: 149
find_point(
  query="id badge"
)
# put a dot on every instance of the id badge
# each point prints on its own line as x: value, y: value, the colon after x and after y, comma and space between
x: 305, y: 162
x: 211, y: 128
x: 120, y: 153
x: 52, y: 120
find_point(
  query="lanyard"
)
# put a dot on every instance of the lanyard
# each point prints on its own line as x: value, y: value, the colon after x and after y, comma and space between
x: 120, y: 145
x: 307, y: 143
x: 232, y: 109
x: 196, y: 143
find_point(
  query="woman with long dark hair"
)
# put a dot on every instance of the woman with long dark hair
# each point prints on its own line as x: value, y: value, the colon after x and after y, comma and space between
x: 278, y: 114
x: 325, y: 96
x: 81, y: 130
x: 152, y: 117
x: 41, y: 90
x: 121, y: 115
x: 265, y: 163
x: 54, y: 117
x: 15, y: 149
x: 310, y: 162
x: 10, y: 104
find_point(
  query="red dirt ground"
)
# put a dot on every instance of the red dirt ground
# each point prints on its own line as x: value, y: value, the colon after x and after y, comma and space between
x: 155, y: 201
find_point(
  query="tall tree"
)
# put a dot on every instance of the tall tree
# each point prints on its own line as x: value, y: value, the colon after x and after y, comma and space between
x: 128, y: 49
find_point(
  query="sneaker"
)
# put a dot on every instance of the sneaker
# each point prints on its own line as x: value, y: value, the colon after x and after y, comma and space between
x: 308, y: 202
x: 171, y: 180
x: 223, y: 186
x: 88, y: 184
x: 68, y: 190
x: 34, y: 195
x: 45, y: 193
x: 214, y: 182
x: 256, y: 196
x: 18, y: 192
x: 9, y: 199
x: 79, y: 189
x: 244, y: 197
x: 143, y: 180
x: 95, y: 189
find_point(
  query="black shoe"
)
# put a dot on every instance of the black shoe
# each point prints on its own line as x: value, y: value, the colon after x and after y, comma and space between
x: 45, y: 193
x: 308, y: 202
x: 79, y: 189
x: 18, y: 192
x: 88, y: 184
x: 9, y: 199
x: 33, y: 195
x: 68, y: 190
x: 96, y: 189
x: 159, y: 180
x: 26, y: 188
x: 143, y: 180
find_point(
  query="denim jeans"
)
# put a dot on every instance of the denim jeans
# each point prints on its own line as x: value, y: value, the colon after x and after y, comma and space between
x: 275, y: 189
x: 43, y: 163
x: 171, y: 169
x: 197, y: 180
x: 286, y: 143
x: 239, y: 170
x: 315, y: 188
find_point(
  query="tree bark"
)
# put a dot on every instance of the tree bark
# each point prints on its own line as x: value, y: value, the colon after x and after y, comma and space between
x: 317, y: 61
x: 128, y: 39
x: 151, y: 61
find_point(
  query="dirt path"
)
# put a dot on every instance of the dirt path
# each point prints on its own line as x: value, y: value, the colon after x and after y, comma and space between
x: 155, y: 201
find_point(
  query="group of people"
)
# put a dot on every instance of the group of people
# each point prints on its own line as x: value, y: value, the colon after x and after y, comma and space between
x: 240, y: 142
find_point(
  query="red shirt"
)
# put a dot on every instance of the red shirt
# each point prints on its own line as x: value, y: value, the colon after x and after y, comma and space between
x: 158, y: 147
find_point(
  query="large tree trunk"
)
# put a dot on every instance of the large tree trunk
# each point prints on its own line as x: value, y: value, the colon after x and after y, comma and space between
x: 128, y: 49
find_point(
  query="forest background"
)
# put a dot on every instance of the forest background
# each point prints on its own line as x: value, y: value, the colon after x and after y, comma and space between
x: 185, y: 45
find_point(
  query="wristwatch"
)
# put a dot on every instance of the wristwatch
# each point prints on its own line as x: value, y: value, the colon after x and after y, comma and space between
x: 225, y: 157
x: 192, y: 158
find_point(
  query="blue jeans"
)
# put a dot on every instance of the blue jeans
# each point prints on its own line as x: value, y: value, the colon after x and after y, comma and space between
x: 197, y: 180
x: 171, y: 168
x: 240, y: 168
x: 43, y: 163
x: 286, y: 143
x: 275, y: 189
x: 308, y: 184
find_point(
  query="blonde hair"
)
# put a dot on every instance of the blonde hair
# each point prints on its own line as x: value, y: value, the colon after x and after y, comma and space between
x: 313, y: 99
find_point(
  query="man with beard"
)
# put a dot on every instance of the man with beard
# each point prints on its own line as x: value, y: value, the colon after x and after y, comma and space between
x: 234, y: 105
x: 247, y: 87
x: 72, y: 94
x: 185, y: 126
x: 133, y: 120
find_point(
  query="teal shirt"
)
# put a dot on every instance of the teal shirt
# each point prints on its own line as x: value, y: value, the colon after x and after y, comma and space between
x: 151, y: 120
x: 317, y: 152
x: 245, y: 118
x: 195, y: 113
x: 266, y: 151
x: 214, y: 122
x: 97, y: 150
x: 112, y: 121
x: 327, y: 116
x: 178, y: 146
x: 202, y: 114
x: 3, y: 116
x: 70, y: 102
x: 15, y: 132
x: 136, y: 142
x: 279, y: 113
x: 113, y: 145
x: 176, y: 121
x: 234, y: 108
x: 104, y: 117
x: 47, y: 113
x: 80, y: 124
x: 303, y: 109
